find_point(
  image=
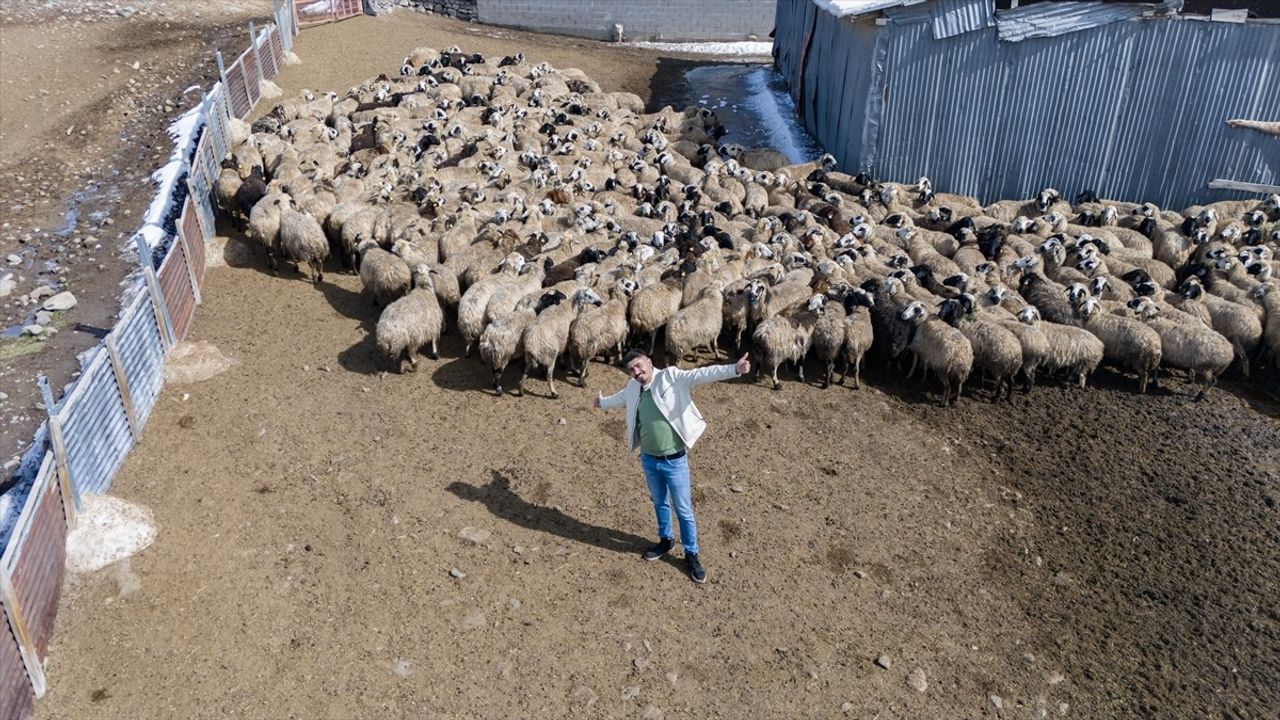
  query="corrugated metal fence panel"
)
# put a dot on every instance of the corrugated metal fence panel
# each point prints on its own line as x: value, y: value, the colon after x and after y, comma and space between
x: 175, y: 285
x: 1132, y: 110
x: 276, y: 47
x: 265, y: 57
x: 96, y: 429
x: 16, y: 696
x: 238, y: 91
x: 195, y: 237
x: 202, y: 190
x: 249, y: 66
x: 953, y: 17
x: 215, y: 128
x: 792, y: 21
x: 142, y: 354
x: 38, y: 567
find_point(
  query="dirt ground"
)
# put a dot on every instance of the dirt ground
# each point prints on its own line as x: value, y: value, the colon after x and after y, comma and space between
x: 1090, y: 554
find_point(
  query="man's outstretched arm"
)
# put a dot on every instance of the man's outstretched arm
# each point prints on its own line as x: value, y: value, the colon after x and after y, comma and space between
x: 715, y: 373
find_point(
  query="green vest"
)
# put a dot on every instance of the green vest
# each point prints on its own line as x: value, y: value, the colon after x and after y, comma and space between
x: 657, y: 437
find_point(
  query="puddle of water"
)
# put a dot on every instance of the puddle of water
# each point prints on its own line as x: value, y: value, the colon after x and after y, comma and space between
x: 753, y: 105
x: 11, y: 332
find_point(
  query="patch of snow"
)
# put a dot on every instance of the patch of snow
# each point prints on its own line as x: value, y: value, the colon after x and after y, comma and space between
x: 769, y: 105
x: 108, y: 529
x: 745, y: 48
x: 185, y: 132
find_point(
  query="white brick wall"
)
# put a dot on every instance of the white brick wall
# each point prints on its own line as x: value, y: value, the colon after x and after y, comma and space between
x: 676, y: 20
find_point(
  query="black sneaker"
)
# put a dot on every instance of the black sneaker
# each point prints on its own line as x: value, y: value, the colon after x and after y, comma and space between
x: 662, y: 548
x: 696, y: 571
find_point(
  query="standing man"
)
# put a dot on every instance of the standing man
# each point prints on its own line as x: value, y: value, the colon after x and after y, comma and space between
x: 663, y: 423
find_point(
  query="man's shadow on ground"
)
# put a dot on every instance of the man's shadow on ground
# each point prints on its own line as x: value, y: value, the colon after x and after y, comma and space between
x: 498, y: 497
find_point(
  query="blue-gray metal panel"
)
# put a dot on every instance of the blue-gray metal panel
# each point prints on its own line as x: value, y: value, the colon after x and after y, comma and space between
x: 142, y: 355
x: 1132, y: 110
x: 96, y: 430
x: 954, y: 17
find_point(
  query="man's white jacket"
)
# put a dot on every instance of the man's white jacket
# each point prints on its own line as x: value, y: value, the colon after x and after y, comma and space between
x: 671, y: 394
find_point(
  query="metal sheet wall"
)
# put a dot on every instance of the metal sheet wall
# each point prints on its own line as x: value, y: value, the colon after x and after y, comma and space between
x: 39, y: 565
x: 141, y: 354
x: 175, y: 283
x: 16, y: 696
x: 1134, y: 110
x: 96, y: 428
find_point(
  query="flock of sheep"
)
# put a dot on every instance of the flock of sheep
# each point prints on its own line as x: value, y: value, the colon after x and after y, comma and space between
x: 552, y: 221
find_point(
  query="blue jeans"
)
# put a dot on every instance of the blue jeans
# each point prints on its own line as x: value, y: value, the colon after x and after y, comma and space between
x: 669, y: 484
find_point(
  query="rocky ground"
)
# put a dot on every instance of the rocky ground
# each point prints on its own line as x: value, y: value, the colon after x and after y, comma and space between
x: 87, y: 90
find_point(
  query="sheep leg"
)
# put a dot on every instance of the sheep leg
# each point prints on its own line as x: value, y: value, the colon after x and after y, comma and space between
x: 857, y: 374
x: 911, y: 372
x: 831, y: 370
x: 520, y: 384
x: 1142, y: 381
x: 959, y: 389
x: 497, y: 381
x: 715, y: 349
x: 551, y: 379
x: 318, y: 268
x: 1241, y: 355
x: 776, y: 385
x: 435, y: 353
x: 800, y: 369
x: 946, y: 390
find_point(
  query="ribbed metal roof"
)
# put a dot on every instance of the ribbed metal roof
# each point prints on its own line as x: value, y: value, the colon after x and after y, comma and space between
x: 954, y: 17
x: 846, y: 8
x: 1051, y: 19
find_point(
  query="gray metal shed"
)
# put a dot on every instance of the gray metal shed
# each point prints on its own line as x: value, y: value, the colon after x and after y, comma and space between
x: 1128, y: 100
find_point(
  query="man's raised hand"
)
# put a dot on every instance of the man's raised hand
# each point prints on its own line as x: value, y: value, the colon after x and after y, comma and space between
x: 744, y: 364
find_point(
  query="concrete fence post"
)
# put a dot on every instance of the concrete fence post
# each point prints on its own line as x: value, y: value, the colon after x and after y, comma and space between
x: 70, y: 492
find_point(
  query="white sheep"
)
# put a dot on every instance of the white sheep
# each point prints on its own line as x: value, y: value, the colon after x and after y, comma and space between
x: 302, y: 240
x: 384, y: 275
x: 411, y: 323
x: 941, y: 348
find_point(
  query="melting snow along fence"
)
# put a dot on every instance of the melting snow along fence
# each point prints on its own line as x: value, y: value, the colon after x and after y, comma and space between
x: 100, y: 417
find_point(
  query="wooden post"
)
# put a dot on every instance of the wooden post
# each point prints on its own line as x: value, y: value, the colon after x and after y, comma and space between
x: 122, y: 382
x: 167, y: 338
x: 69, y: 490
x: 27, y: 648
x: 186, y: 251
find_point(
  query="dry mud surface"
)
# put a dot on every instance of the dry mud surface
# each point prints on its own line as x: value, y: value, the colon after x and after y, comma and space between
x: 1089, y: 554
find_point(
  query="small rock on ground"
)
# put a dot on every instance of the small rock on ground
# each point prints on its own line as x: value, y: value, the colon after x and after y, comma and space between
x: 884, y: 662
x: 917, y: 680
x: 475, y: 536
x: 60, y: 302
